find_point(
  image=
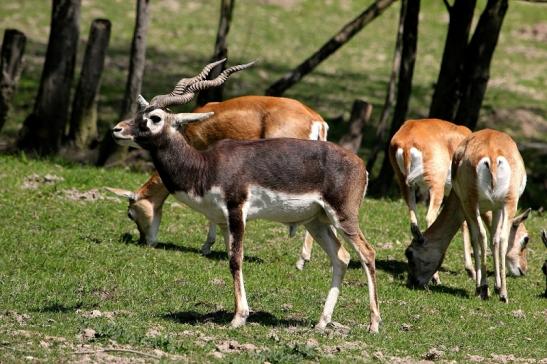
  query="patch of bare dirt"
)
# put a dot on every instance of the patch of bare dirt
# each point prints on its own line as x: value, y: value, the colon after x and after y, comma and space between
x: 517, y: 122
x: 96, y: 314
x: 233, y: 347
x: 534, y: 31
x: 34, y: 181
x: 92, y: 195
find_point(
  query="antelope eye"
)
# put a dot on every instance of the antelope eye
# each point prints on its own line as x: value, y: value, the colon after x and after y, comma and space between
x: 155, y: 119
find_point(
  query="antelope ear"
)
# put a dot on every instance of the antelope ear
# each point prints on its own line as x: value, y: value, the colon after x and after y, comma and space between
x: 122, y: 193
x: 143, y: 104
x: 519, y: 219
x: 416, y: 233
x: 186, y: 118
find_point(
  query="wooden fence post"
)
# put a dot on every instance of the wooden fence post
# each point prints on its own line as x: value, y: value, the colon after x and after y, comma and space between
x: 11, y: 65
x: 360, y: 115
x: 83, y: 120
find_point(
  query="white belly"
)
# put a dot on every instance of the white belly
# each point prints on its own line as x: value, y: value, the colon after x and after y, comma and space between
x: 261, y: 203
x: 282, y: 207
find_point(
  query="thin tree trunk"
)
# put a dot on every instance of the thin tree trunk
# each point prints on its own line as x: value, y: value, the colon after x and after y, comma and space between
x: 476, y: 71
x: 338, y: 40
x: 383, y: 124
x: 11, y: 65
x: 446, y: 96
x: 220, y: 52
x: 109, y: 150
x: 83, y: 121
x: 410, y: 40
x: 360, y: 115
x: 43, y: 129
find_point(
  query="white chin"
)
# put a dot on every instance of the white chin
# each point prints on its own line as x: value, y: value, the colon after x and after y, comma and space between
x: 127, y: 142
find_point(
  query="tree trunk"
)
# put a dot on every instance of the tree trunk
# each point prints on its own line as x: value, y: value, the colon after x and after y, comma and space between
x: 43, y: 129
x: 83, y: 121
x: 220, y: 52
x: 11, y: 65
x: 446, y: 96
x: 109, y: 150
x: 360, y: 115
x: 410, y: 39
x: 382, y: 129
x: 476, y: 70
x: 341, y: 38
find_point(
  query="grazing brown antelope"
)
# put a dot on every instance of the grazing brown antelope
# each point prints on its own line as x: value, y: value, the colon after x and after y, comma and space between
x: 292, y: 181
x: 241, y: 118
x: 487, y: 175
x: 421, y: 155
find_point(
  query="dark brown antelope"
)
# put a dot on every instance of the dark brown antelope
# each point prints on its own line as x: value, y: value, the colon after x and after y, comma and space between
x: 487, y: 175
x: 241, y: 118
x: 314, y: 183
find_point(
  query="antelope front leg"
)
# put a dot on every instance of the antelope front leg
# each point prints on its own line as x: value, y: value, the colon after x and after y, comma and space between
x: 468, y: 262
x: 211, y: 237
x: 236, y: 228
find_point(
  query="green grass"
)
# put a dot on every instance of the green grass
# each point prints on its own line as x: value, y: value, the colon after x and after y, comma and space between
x: 62, y: 259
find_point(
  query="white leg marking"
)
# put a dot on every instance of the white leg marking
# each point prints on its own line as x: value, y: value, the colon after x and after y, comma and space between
x: 211, y: 237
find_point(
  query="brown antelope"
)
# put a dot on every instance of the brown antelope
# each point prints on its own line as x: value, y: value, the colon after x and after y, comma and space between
x: 487, y: 175
x: 421, y: 155
x: 292, y: 181
x: 241, y: 118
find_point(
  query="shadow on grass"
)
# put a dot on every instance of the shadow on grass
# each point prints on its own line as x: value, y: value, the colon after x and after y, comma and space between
x: 223, y: 317
x: 393, y: 267
x: 59, y: 308
x: 459, y: 292
x: 214, y: 255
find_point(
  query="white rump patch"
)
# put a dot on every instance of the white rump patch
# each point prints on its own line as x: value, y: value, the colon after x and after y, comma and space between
x: 316, y: 128
x: 415, y: 177
x: 493, y: 189
x: 448, y: 181
x: 399, y: 157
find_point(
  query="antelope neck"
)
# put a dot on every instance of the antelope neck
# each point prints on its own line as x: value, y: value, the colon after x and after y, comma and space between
x: 440, y: 233
x: 181, y: 167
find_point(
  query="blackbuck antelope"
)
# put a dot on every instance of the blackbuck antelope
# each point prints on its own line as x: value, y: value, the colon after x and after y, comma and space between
x: 544, y: 268
x: 241, y: 118
x: 292, y: 181
x: 421, y: 155
x: 487, y: 175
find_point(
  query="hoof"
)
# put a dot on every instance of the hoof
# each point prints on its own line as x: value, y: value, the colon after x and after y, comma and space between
x: 206, y: 249
x: 471, y: 273
x: 497, y: 290
x: 436, y: 280
x: 238, y: 321
x: 320, y: 326
x: 374, y: 327
x: 482, y: 292
x: 301, y: 263
x: 504, y: 299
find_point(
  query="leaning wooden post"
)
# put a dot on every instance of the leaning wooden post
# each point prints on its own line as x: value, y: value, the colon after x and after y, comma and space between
x: 342, y: 37
x: 11, y: 65
x: 360, y: 115
x: 110, y: 151
x: 83, y: 120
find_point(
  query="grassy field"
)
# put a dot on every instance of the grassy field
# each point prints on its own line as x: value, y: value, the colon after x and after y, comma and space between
x: 73, y: 279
